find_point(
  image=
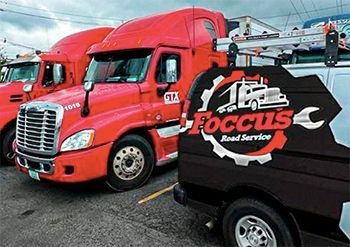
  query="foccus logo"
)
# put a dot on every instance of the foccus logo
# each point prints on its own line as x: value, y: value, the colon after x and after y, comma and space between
x: 245, y: 119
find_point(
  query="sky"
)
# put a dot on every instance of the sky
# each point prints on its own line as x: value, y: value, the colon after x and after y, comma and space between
x: 40, y: 23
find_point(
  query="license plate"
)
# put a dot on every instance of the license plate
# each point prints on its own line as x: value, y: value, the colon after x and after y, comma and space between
x: 34, y: 175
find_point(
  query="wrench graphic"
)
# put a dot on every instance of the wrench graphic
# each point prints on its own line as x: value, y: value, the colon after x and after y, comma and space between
x: 303, y: 118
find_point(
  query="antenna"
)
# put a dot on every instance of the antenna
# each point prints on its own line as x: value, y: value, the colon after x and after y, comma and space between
x: 194, y: 32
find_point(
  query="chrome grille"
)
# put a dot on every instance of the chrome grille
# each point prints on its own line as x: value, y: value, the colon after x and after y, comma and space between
x: 272, y: 95
x: 38, y: 125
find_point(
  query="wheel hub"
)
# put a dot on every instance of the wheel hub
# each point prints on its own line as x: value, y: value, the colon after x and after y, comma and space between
x: 128, y: 163
x: 256, y: 236
x: 253, y: 231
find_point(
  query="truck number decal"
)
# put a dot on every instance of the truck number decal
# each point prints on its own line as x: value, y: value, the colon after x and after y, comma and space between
x: 72, y: 106
x: 171, y: 98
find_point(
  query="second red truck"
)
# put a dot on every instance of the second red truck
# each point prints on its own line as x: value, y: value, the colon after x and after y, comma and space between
x: 62, y: 67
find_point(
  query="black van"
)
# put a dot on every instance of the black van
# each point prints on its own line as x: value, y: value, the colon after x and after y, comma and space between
x: 266, y: 153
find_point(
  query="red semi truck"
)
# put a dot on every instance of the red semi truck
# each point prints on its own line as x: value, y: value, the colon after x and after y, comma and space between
x: 29, y: 77
x: 126, y: 121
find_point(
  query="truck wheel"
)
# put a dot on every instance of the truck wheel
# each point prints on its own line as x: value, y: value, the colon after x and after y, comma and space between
x: 130, y: 163
x: 249, y: 222
x: 254, y: 105
x: 7, y: 154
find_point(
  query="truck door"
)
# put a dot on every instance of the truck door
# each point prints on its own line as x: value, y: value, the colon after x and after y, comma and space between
x: 45, y: 85
x: 166, y: 105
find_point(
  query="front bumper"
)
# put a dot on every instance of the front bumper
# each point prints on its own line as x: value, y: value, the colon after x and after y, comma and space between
x: 70, y: 167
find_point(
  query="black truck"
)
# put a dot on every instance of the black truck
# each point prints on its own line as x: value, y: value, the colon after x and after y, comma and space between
x: 274, y: 167
x: 266, y: 150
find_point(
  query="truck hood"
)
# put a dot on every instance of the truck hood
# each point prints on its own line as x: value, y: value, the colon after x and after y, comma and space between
x: 11, y: 92
x: 104, y: 99
x: 101, y: 94
x: 66, y: 96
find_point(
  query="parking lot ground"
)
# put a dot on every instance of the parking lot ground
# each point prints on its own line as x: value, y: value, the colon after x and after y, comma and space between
x: 42, y: 213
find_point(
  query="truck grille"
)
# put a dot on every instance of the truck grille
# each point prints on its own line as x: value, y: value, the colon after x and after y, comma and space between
x: 38, y: 125
x: 272, y: 95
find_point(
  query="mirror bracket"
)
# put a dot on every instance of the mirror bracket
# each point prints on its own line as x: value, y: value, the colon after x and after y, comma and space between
x: 28, y: 88
x: 161, y: 90
x: 88, y: 87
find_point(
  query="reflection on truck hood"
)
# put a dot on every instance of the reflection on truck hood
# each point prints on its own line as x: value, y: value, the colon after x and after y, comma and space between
x: 100, y: 95
x: 104, y: 98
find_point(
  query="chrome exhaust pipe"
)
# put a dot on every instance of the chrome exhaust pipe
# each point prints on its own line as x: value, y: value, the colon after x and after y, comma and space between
x: 210, y: 225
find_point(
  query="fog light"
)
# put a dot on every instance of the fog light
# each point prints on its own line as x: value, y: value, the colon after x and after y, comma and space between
x: 68, y: 170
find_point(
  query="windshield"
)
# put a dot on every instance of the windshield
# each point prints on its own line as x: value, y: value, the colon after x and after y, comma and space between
x: 25, y: 72
x: 122, y: 66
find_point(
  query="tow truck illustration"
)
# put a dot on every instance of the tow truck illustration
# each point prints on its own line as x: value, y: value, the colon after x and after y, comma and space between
x: 252, y: 94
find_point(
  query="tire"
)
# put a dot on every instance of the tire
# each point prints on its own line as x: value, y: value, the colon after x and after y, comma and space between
x: 130, y: 163
x: 6, y: 147
x: 254, y: 105
x: 248, y: 218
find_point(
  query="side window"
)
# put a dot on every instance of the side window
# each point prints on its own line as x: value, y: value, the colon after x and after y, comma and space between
x: 341, y: 124
x: 48, y: 75
x: 210, y: 29
x: 204, y: 31
x: 161, y: 67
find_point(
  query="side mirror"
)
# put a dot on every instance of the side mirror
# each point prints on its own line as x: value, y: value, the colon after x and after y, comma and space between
x: 58, y: 74
x: 88, y: 86
x: 27, y: 88
x: 171, y: 71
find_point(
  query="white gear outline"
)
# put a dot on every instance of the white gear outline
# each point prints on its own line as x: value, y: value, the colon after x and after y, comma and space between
x: 240, y: 159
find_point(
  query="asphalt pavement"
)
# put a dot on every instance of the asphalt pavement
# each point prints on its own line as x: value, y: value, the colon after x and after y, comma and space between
x: 34, y: 213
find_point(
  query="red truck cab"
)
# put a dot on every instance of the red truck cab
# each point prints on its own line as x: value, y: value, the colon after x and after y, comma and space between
x: 63, y: 66
x: 127, y: 119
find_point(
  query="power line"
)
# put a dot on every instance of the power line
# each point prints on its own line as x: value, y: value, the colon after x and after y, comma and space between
x: 303, y: 5
x: 6, y: 41
x: 341, y: 6
x: 314, y: 5
x: 336, y: 1
x: 61, y: 12
x: 309, y: 11
x: 296, y: 10
x: 285, y: 26
x: 48, y: 18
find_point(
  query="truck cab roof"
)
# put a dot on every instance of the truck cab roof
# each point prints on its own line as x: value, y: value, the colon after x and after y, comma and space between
x: 75, y: 46
x: 171, y: 28
x: 26, y: 59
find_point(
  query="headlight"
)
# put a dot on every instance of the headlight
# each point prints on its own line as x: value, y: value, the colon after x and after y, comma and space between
x: 80, y: 140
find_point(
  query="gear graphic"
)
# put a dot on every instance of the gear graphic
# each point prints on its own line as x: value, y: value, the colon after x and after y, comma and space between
x: 240, y: 159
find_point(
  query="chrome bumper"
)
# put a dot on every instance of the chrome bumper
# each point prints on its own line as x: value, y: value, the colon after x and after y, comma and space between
x: 42, y: 165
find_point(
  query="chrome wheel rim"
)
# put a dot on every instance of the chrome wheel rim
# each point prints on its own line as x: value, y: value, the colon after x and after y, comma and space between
x: 128, y: 163
x: 254, y: 105
x: 253, y: 231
